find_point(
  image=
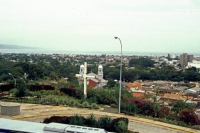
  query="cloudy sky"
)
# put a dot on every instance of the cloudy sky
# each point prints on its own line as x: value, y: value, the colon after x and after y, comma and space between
x: 90, y: 25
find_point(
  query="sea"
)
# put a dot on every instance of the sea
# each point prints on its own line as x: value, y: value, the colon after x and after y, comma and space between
x: 128, y: 53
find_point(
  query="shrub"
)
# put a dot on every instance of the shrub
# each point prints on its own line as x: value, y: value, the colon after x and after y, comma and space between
x: 105, y: 123
x: 60, y: 101
x: 120, y: 126
x: 40, y: 87
x: 77, y: 120
x: 57, y: 119
x: 77, y: 104
x: 64, y: 102
x: 12, y: 91
x: 132, y: 108
x: 94, y: 106
x: 55, y: 101
x: 70, y: 92
x: 47, y: 100
x: 71, y: 103
x: 85, y: 104
x: 164, y: 112
x: 37, y: 94
x: 90, y: 121
x: 139, y: 103
x: 188, y: 116
x: 7, y: 87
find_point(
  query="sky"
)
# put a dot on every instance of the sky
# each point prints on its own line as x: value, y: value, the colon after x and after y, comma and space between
x: 91, y: 25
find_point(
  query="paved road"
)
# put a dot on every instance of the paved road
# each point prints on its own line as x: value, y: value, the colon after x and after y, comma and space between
x: 144, y: 127
x: 150, y: 128
x: 36, y: 112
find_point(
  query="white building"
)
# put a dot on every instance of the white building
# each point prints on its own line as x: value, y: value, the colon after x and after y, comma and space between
x: 194, y: 63
x: 98, y: 81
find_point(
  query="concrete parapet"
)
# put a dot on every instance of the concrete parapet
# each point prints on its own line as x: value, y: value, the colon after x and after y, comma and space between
x: 10, y: 109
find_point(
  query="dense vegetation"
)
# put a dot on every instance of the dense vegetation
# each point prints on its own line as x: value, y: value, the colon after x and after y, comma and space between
x: 119, y: 125
x: 46, y: 67
x: 181, y: 113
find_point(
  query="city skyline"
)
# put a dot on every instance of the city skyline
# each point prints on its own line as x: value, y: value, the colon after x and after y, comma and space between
x: 143, y: 26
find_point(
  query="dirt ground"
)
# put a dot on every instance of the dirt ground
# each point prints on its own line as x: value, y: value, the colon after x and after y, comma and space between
x: 37, y: 113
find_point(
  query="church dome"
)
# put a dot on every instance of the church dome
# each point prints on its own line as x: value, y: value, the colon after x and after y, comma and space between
x: 100, y: 66
x: 82, y: 66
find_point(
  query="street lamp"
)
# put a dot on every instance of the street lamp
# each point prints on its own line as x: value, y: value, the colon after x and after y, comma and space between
x: 23, y: 80
x: 120, y: 88
x: 13, y: 78
x: 25, y: 76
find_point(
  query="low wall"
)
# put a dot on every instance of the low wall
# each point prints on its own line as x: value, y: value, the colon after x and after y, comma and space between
x: 10, y: 109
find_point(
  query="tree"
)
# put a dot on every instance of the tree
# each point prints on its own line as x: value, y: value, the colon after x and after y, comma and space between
x: 17, y: 71
x: 21, y: 91
x: 53, y: 76
x: 36, y: 71
x: 111, y: 83
x: 141, y: 62
x: 24, y: 66
x: 128, y: 76
x: 156, y: 108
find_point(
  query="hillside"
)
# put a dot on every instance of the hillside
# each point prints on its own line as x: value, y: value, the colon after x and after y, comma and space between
x: 8, y: 46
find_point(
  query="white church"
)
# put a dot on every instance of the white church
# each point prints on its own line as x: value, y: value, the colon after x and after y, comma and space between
x: 97, y: 81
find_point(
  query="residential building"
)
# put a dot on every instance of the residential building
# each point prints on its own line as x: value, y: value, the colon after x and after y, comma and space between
x: 185, y: 58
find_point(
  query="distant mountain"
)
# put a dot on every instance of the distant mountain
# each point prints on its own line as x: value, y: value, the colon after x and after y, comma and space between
x: 9, y: 46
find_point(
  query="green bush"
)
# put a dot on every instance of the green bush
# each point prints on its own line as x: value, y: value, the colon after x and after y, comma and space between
x: 94, y: 106
x: 131, y: 108
x: 64, y: 102
x: 121, y: 127
x: 38, y: 94
x: 77, y: 120
x: 55, y: 101
x: 47, y: 100
x: 60, y: 101
x: 90, y: 121
x: 105, y: 123
x: 85, y: 104
x: 71, y: 103
x: 12, y: 91
x: 77, y: 104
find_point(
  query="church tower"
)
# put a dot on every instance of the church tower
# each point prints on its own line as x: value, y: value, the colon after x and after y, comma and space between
x: 100, y: 72
x: 100, y: 75
x: 81, y: 69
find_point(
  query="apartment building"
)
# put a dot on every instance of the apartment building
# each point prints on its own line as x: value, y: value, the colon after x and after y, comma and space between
x: 185, y: 58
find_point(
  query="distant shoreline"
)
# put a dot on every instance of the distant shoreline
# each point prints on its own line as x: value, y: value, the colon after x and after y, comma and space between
x: 47, y: 51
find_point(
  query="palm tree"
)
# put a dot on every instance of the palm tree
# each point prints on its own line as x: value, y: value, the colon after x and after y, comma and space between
x: 21, y: 91
x: 156, y: 108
